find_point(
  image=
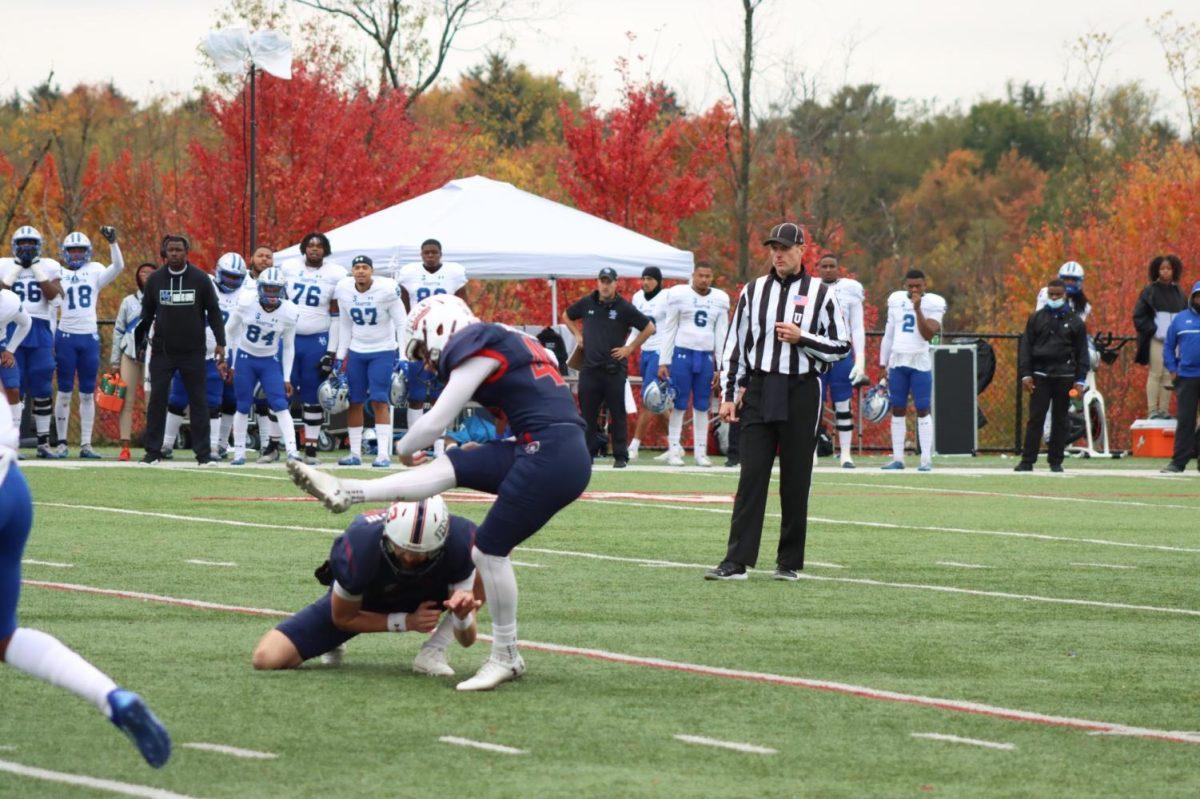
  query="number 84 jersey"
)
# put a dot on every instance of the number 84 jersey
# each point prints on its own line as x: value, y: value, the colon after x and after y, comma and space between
x: 256, y: 331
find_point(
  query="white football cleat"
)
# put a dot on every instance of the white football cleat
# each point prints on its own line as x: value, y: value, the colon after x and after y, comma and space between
x: 334, y: 656
x: 322, y: 485
x: 432, y: 661
x: 633, y: 451
x: 664, y: 455
x: 675, y: 458
x: 702, y: 460
x: 493, y: 673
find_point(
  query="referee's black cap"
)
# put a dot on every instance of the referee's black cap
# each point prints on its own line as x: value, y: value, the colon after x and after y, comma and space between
x: 789, y: 234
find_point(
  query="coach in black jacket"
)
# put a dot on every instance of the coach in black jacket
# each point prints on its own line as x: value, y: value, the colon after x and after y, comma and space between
x: 181, y: 302
x: 1053, y: 358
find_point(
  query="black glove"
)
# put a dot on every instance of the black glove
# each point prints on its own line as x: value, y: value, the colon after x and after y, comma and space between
x: 326, y: 365
x: 109, y: 232
x: 324, y: 574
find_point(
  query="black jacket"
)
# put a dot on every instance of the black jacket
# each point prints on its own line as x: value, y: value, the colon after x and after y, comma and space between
x: 1154, y: 298
x: 1054, y: 345
x: 180, y: 307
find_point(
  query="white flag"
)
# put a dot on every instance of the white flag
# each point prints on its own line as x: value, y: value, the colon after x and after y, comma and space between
x: 234, y: 49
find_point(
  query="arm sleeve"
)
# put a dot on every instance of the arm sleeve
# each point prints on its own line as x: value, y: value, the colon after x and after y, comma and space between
x: 465, y: 584
x: 1143, y: 314
x: 212, y: 307
x: 670, y: 327
x: 233, y: 334
x: 464, y: 380
x: 734, y: 366
x: 113, y: 270
x: 889, y: 333
x: 835, y: 344
x: 1025, y: 350
x: 1169, y: 362
x: 289, y: 351
x: 119, y: 326
x: 399, y: 324
x: 722, y: 329
x: 858, y: 335
x: 23, y: 322
x: 633, y: 317
x: 344, y: 333
x: 335, y: 333
x: 149, y: 309
x: 341, y: 591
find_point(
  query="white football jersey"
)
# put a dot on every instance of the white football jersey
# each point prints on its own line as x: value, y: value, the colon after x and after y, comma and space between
x: 1044, y: 295
x: 373, y: 318
x: 850, y: 295
x: 260, y: 332
x: 23, y: 284
x: 907, y: 346
x: 656, y: 309
x: 696, y: 322
x: 311, y: 290
x: 421, y: 284
x: 10, y: 307
x: 81, y: 292
x: 227, y: 302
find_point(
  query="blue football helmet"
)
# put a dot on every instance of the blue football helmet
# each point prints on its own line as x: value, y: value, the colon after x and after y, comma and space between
x: 875, y: 403
x: 26, y: 245
x: 272, y: 288
x: 334, y: 394
x: 658, y: 396
x: 82, y: 247
x: 231, y: 272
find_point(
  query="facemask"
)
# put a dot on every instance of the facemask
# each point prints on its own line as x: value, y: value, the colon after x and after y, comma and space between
x: 1054, y: 305
x: 1196, y: 307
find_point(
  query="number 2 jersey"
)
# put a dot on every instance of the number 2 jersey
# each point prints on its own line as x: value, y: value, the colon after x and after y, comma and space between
x: 421, y: 284
x: 903, y: 344
x: 81, y: 291
x: 527, y: 388
x: 256, y: 331
x: 311, y: 291
x: 371, y: 320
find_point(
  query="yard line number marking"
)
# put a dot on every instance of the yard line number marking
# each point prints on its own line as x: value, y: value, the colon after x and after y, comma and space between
x: 736, y: 747
x: 504, y: 750
x: 955, y: 739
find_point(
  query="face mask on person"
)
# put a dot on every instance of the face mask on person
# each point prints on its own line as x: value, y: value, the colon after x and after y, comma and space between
x: 1055, y: 305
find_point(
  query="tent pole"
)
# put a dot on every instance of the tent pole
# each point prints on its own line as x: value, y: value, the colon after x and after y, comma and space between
x: 553, y: 301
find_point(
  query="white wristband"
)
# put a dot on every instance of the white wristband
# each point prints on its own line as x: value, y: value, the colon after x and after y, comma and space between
x: 40, y: 273
x: 396, y: 622
x: 462, y: 624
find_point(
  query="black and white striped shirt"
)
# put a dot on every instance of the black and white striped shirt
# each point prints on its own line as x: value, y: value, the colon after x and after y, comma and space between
x: 751, y: 345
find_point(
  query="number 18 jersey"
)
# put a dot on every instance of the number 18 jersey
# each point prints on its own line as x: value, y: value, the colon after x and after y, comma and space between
x: 81, y: 291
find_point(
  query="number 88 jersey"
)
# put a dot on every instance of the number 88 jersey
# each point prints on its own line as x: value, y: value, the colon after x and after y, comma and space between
x: 421, y: 284
x: 311, y: 291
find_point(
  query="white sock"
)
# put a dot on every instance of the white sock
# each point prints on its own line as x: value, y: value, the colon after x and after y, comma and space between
x: 287, y: 429
x: 17, y: 408
x: 87, y: 418
x: 898, y: 438
x: 383, y: 440
x: 226, y: 427
x: 700, y: 432
x: 409, y: 486
x: 355, y: 440
x: 214, y: 434
x: 240, y: 422
x: 441, y: 636
x: 925, y: 437
x: 271, y: 428
x: 41, y: 421
x: 675, y: 429
x: 171, y: 431
x: 500, y: 585
x: 312, y: 433
x: 62, y: 414
x: 45, y: 657
x: 845, y: 427
x: 413, y: 415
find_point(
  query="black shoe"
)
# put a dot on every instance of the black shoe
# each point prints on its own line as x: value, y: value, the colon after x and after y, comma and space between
x: 1171, y: 468
x: 726, y: 571
x: 785, y: 574
x: 272, y: 448
x: 620, y: 463
x: 1056, y: 467
x: 310, y: 450
x: 732, y: 462
x: 1023, y: 467
x: 150, y: 460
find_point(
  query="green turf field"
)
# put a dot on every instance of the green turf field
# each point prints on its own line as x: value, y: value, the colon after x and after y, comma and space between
x: 1122, y: 650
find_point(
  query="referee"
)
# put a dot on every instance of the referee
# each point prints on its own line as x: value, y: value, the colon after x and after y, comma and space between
x: 786, y: 330
x: 180, y: 301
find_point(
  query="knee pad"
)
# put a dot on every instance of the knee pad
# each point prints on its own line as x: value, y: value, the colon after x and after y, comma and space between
x: 313, y: 415
x: 845, y: 420
x: 43, y: 406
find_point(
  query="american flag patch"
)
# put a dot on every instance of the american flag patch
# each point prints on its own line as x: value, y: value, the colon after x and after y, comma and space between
x: 802, y: 300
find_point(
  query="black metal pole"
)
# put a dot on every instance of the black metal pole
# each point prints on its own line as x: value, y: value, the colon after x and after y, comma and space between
x: 1017, y: 438
x: 253, y: 148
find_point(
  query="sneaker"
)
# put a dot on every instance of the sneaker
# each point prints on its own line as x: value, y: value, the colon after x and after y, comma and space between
x: 493, y: 673
x: 222, y: 452
x: 664, y: 455
x: 322, y: 485
x: 238, y: 461
x: 726, y: 571
x: 333, y: 658
x: 432, y: 661
x: 270, y: 453
x: 168, y: 454
x: 894, y: 466
x: 132, y: 717
x: 61, y: 451
x: 633, y: 452
x: 785, y: 574
x: 89, y: 454
x: 1023, y: 467
x: 350, y: 460
x: 207, y: 463
x: 702, y: 460
x: 382, y: 462
x: 44, y: 452
x: 1056, y: 467
x: 675, y: 459
x: 125, y: 455
x: 295, y: 456
x: 732, y: 462
x: 150, y: 460
x: 848, y: 465
x: 925, y: 467
x: 620, y: 463
x: 1170, y: 468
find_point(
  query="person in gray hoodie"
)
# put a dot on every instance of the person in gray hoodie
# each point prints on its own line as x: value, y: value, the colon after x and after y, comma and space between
x: 1181, y: 357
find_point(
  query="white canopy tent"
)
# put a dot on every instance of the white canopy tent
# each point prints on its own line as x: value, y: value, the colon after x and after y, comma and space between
x: 499, y: 232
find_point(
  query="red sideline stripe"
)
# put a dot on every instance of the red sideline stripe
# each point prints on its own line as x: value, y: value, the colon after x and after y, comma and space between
x: 863, y: 692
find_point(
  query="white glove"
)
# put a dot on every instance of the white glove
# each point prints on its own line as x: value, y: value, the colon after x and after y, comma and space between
x: 858, y: 373
x: 9, y: 275
x: 40, y: 273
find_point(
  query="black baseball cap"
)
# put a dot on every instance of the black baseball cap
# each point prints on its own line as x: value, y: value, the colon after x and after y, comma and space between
x: 788, y: 234
x: 362, y: 259
x: 607, y: 273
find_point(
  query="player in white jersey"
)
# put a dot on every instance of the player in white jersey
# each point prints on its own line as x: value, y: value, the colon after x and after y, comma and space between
x: 1071, y: 274
x: 262, y: 335
x: 913, y: 319
x: 372, y: 336
x: 419, y: 281
x: 697, y: 318
x: 77, y: 342
x: 268, y: 426
x: 311, y: 284
x: 650, y: 302
x: 14, y: 326
x: 36, y: 281
x: 843, y: 375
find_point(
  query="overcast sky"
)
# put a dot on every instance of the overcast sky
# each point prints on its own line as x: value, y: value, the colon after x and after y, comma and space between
x: 944, y: 50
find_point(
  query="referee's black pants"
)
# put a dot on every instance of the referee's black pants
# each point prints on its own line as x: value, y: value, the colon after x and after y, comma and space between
x: 1051, y: 394
x: 795, y: 440
x: 599, y: 387
x: 192, y: 371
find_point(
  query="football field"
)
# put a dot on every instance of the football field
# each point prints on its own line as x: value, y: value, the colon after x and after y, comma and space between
x: 970, y: 632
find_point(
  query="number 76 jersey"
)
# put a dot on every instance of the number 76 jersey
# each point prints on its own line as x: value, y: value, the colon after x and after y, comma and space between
x: 311, y: 291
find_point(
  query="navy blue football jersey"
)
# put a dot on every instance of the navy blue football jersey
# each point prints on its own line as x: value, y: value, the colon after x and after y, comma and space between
x: 359, y: 566
x: 527, y: 388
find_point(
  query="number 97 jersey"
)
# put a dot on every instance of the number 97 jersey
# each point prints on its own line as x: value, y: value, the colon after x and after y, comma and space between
x: 311, y: 291
x: 421, y: 284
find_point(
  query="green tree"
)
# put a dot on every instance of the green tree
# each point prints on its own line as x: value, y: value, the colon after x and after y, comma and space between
x: 512, y: 105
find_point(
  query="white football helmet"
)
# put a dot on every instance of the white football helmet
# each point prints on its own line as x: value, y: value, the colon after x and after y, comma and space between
x: 272, y: 287
x: 334, y: 394
x: 74, y: 241
x: 399, y: 392
x: 430, y: 324
x: 658, y: 396
x: 26, y: 245
x: 420, y: 528
x: 231, y: 272
x: 875, y: 403
x: 1071, y: 269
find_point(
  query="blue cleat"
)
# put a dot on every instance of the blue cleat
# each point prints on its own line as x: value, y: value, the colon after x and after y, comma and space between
x: 132, y: 717
x: 238, y: 462
x: 89, y: 454
x: 350, y: 460
x: 381, y: 463
x: 925, y: 467
x: 893, y: 466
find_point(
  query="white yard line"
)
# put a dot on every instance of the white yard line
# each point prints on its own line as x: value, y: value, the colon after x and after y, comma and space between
x: 504, y: 750
x: 112, y: 786
x: 736, y: 747
x: 51, y: 563
x: 526, y: 565
x: 7, y: 748
x: 1105, y: 565
x: 199, y: 562
x: 937, y: 736
x: 717, y: 671
x: 1047, y: 497
x: 958, y: 565
x: 249, y: 754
